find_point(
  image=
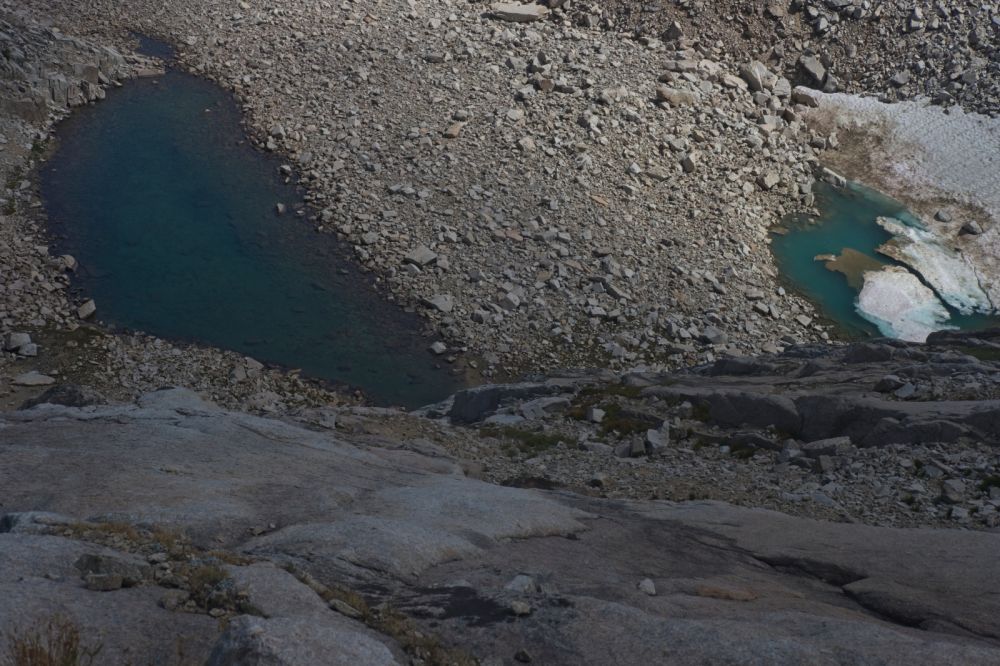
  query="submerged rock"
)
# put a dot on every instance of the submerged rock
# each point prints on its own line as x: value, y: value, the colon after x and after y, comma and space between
x: 900, y: 305
x: 852, y: 264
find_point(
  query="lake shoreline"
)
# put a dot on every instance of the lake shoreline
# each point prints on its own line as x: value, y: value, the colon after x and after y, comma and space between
x: 202, y: 245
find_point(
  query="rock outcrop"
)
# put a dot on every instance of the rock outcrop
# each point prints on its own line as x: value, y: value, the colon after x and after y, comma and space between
x: 294, y: 516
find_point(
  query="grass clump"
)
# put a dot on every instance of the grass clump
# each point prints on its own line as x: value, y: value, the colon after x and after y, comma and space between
x: 627, y: 422
x: 593, y: 396
x: 56, y: 642
x: 982, y: 353
x: 100, y: 531
x: 701, y: 412
x: 203, y: 580
x: 525, y: 441
x: 421, y: 647
x: 992, y: 481
x: 608, y: 390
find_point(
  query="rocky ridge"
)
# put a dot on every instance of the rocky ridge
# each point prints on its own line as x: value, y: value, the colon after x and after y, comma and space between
x: 886, y: 433
x: 314, y: 541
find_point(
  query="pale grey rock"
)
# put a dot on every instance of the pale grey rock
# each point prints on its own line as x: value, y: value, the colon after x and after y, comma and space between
x: 13, y: 342
x: 421, y: 256
x: 813, y: 68
x: 442, y: 302
x: 519, y: 13
x: 296, y: 641
x: 805, y: 96
x: 33, y: 378
x: 86, y: 310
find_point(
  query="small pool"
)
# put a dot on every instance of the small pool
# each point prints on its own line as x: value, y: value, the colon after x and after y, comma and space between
x: 825, y: 257
x: 172, y: 216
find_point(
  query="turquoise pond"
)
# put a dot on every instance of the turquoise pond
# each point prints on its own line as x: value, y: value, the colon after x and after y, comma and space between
x: 172, y: 216
x: 847, y: 221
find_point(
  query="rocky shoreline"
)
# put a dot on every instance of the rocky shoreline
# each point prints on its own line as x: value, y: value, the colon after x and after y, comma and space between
x: 48, y: 335
x: 501, y: 261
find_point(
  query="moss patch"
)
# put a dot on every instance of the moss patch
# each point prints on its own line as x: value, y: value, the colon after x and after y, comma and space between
x: 982, y: 353
x: 992, y: 481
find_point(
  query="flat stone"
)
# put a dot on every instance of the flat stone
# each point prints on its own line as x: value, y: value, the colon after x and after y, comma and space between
x: 675, y: 97
x: 421, y: 256
x: 805, y: 96
x: 442, y: 302
x: 518, y: 13
x: 15, y: 341
x: 87, y: 310
x: 103, y: 582
x: 33, y: 378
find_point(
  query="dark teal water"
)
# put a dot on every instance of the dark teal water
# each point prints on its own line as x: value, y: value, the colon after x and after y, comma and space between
x: 847, y: 220
x: 172, y: 218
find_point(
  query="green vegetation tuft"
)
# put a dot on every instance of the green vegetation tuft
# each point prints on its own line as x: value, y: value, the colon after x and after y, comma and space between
x: 626, y: 422
x: 203, y: 580
x: 701, y: 412
x: 992, y: 481
x: 982, y: 353
x: 607, y: 390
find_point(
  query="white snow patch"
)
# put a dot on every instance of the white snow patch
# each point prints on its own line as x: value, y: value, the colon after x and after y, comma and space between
x: 956, y: 153
x: 895, y: 300
x: 931, y: 154
x: 948, y: 272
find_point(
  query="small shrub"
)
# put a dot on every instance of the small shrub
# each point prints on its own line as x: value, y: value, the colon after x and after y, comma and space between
x: 13, y: 178
x: 701, y: 412
x: 203, y: 580
x: 54, y: 643
x: 626, y: 422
